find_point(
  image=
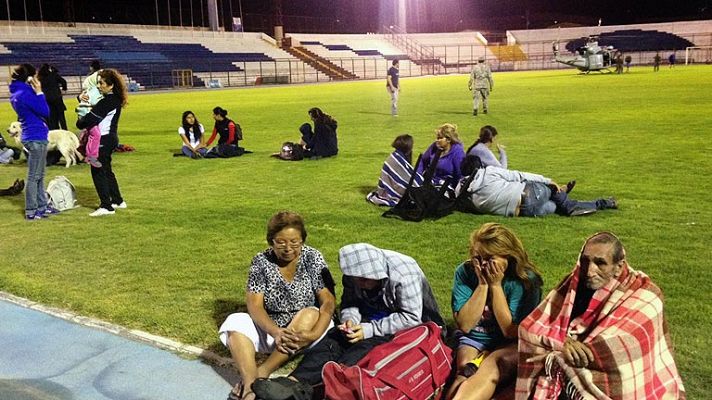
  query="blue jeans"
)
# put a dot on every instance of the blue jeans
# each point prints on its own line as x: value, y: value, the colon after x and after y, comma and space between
x: 538, y: 200
x: 35, y: 197
x: 189, y: 153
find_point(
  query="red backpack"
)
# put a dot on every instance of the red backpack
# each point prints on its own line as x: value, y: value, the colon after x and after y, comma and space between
x: 414, y: 365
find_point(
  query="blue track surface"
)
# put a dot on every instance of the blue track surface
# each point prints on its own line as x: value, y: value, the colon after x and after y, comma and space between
x: 44, y: 357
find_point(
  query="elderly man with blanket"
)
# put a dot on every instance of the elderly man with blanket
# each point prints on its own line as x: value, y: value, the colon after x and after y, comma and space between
x: 600, y: 334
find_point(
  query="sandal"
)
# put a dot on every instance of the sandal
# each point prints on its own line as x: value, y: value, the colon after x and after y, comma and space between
x: 237, y: 392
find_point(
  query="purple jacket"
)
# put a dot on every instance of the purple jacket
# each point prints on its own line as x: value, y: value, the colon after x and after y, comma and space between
x: 448, y: 165
x: 32, y: 111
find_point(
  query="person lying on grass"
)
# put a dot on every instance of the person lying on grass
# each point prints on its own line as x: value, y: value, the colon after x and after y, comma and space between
x: 511, y: 193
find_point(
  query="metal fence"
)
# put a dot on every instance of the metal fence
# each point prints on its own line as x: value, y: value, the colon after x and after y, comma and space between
x: 449, y: 60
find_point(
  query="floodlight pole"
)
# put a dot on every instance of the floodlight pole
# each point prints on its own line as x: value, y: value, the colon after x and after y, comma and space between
x: 27, y: 26
x: 9, y: 25
x: 169, y: 13
x: 213, y: 15
x: 401, y: 18
x: 158, y: 19
x: 39, y: 2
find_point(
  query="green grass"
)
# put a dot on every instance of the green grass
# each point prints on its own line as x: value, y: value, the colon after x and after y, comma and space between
x: 175, y: 263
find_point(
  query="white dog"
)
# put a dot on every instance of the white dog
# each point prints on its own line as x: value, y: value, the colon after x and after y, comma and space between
x: 64, y: 141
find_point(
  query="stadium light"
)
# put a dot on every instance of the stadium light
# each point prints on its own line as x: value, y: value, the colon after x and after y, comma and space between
x: 9, y: 25
x: 39, y: 2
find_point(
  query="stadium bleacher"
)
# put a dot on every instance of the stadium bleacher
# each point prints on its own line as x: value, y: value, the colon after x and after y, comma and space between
x: 149, y: 56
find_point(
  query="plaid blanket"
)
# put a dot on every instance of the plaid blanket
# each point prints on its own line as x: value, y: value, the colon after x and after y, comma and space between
x: 624, y: 327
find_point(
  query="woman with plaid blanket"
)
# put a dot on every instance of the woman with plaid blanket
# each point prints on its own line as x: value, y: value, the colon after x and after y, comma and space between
x: 600, y: 334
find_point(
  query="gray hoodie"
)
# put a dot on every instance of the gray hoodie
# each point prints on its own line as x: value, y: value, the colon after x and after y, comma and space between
x: 405, y: 296
x: 497, y: 190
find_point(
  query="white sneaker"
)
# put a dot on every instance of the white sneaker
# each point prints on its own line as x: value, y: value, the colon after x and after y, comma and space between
x: 101, y: 211
x: 122, y: 205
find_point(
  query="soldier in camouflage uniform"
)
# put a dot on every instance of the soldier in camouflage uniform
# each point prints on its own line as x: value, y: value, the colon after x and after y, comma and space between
x: 481, y: 76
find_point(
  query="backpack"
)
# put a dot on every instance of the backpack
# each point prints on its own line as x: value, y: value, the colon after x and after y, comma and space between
x: 426, y: 201
x: 414, y: 365
x: 61, y: 194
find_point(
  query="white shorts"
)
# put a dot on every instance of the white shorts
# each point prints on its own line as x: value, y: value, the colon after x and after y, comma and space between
x: 263, y: 342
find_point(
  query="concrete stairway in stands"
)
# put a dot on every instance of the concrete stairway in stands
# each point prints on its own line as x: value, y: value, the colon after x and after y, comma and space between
x: 319, y: 63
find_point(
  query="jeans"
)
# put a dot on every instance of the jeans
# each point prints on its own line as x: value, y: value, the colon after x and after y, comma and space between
x: 394, y: 100
x: 538, y: 200
x: 189, y: 153
x: 104, y: 179
x: 35, y: 197
x: 334, y: 347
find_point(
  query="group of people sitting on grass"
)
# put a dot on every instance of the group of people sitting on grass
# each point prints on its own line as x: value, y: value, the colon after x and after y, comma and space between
x: 479, y: 176
x: 600, y: 333
x: 318, y: 142
x: 195, y: 146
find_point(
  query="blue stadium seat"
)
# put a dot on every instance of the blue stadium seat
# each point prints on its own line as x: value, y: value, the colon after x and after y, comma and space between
x: 149, y: 64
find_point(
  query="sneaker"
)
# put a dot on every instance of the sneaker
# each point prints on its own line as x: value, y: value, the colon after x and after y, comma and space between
x: 582, y: 211
x: 612, y: 203
x: 101, y: 211
x: 570, y: 186
x: 35, y: 216
x: 484, y: 111
x: 93, y: 162
x: 474, y: 112
x: 122, y: 205
x: 50, y: 210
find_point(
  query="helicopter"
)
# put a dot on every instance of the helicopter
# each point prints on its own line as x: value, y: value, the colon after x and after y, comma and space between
x: 589, y: 57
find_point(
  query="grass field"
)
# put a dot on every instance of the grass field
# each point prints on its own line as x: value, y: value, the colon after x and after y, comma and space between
x: 175, y: 262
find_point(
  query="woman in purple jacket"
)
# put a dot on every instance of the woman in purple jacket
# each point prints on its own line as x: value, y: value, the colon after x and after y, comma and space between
x: 447, y: 170
x: 32, y: 111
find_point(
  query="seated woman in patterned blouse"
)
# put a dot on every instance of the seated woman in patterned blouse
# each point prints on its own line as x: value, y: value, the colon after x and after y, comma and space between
x: 290, y: 303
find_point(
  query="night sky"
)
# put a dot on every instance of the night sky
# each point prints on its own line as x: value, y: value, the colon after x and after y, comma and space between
x: 368, y: 15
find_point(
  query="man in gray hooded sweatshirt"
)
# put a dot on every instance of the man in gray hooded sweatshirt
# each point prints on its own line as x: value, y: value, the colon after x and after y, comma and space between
x: 498, y: 191
x: 384, y: 292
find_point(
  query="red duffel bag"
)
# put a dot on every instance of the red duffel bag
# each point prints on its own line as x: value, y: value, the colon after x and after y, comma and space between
x: 414, y: 365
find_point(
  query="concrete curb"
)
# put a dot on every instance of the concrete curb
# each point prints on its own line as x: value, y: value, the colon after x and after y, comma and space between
x: 131, y: 334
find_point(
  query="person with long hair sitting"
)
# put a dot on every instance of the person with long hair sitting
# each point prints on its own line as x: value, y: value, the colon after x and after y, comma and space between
x: 230, y: 134
x: 448, y: 144
x: 192, y: 134
x: 483, y: 148
x: 322, y: 140
x: 396, y: 173
x: 492, y: 292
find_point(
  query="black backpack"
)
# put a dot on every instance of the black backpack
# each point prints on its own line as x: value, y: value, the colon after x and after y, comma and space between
x: 426, y: 201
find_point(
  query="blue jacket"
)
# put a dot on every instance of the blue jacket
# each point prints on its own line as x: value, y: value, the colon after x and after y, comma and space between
x: 32, y: 111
